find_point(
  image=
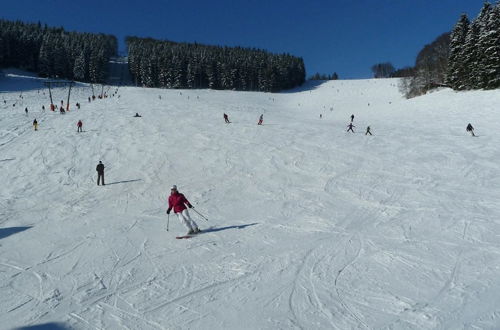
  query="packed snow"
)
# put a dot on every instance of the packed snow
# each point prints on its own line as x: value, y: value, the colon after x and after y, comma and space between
x: 309, y: 227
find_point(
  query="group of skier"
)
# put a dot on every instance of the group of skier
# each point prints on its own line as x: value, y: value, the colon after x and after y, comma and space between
x: 469, y: 128
x: 177, y: 201
x: 351, y: 126
x: 261, y: 119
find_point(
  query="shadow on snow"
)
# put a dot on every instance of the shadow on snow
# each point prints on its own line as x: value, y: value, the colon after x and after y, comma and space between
x: 5, y: 232
x: 125, y: 181
x: 308, y: 85
x: 214, y: 229
x: 45, y: 326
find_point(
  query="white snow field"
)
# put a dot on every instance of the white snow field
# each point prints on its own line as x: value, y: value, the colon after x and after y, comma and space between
x: 309, y: 227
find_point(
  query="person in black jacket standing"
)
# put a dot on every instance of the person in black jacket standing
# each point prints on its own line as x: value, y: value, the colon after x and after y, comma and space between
x: 100, y: 173
x: 470, y: 129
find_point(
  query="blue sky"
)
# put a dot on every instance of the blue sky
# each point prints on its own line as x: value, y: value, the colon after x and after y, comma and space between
x: 342, y: 36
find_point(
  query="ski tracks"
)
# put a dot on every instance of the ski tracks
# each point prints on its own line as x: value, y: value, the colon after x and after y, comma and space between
x: 352, y: 251
x: 318, y: 281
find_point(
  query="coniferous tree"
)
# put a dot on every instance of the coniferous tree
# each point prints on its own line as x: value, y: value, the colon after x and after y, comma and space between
x: 456, y: 71
x: 471, y: 56
x: 482, y: 22
x: 79, y: 69
x: 182, y: 65
x: 489, y: 48
x: 53, y: 52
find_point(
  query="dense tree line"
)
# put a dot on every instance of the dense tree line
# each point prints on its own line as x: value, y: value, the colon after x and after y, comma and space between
x: 54, y: 52
x: 166, y: 64
x: 318, y: 76
x: 474, y: 60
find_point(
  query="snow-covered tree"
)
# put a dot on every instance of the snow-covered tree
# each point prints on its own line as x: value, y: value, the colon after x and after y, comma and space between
x: 456, y: 71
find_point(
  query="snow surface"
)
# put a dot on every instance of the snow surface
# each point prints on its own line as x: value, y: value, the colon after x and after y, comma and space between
x: 309, y: 227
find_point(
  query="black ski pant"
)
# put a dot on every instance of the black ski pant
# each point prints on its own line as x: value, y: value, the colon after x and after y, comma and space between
x: 100, y: 176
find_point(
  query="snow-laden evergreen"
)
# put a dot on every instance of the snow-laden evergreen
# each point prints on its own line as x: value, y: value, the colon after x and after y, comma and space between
x: 474, y: 60
x: 456, y: 71
x: 309, y: 227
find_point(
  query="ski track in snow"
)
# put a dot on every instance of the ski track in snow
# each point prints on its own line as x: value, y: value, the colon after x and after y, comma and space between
x: 310, y: 227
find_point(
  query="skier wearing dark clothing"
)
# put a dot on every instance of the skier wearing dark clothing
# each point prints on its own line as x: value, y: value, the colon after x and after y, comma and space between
x: 226, y: 119
x: 261, y: 119
x: 35, y: 125
x: 470, y: 129
x: 26, y: 110
x: 352, y: 118
x: 350, y: 126
x: 100, y: 173
x: 137, y: 115
x: 79, y: 125
x: 368, y: 131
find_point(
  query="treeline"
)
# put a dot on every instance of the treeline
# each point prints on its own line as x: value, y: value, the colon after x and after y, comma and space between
x: 318, y: 76
x: 474, y: 61
x: 467, y: 58
x: 167, y: 64
x: 54, y: 52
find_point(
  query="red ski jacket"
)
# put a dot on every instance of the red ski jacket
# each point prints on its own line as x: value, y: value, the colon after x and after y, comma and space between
x: 177, y: 201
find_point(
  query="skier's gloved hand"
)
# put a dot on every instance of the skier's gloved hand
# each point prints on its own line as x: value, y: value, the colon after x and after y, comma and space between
x: 190, y: 206
x: 168, y: 211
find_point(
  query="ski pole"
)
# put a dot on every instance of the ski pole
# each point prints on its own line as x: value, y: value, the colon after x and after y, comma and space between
x: 200, y: 214
x: 168, y: 220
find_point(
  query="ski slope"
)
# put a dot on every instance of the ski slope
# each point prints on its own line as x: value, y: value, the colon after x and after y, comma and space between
x: 309, y: 227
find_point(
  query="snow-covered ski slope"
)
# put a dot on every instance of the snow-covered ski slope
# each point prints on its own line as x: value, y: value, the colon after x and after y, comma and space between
x: 309, y: 227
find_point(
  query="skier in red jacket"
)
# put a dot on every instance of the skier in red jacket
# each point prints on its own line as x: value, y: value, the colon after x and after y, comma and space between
x: 178, y: 202
x: 79, y: 125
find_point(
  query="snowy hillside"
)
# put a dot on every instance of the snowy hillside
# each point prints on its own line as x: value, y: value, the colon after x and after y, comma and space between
x: 309, y: 227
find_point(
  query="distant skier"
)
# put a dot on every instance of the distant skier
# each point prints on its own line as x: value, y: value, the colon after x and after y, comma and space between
x: 470, y: 129
x: 137, y: 115
x: 78, y: 105
x: 62, y: 111
x: 320, y: 115
x: 43, y: 108
x: 350, y: 126
x: 226, y: 119
x: 35, y: 124
x: 100, y: 173
x: 26, y: 110
x: 352, y: 118
x: 368, y: 131
x: 178, y: 202
x: 261, y: 119
x: 80, y: 126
